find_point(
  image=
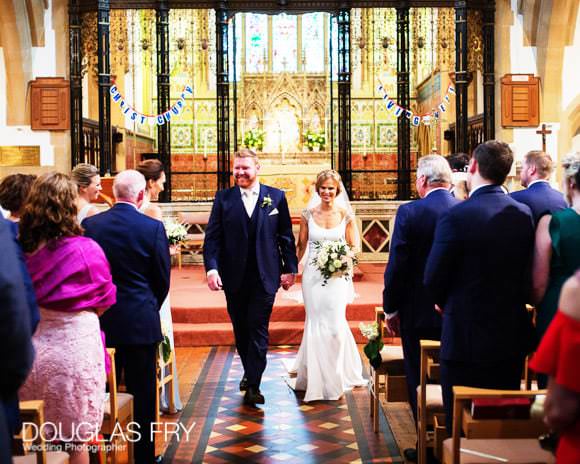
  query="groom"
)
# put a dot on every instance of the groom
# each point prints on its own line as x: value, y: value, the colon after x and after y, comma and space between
x: 249, y: 251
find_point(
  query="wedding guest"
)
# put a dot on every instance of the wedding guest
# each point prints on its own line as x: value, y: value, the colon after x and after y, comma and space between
x: 538, y: 194
x: 407, y: 304
x: 557, y: 356
x: 88, y: 181
x: 73, y: 284
x: 154, y: 175
x: 458, y: 163
x: 557, y: 250
x: 13, y: 192
x: 486, y: 331
x: 137, y: 248
x: 15, y: 342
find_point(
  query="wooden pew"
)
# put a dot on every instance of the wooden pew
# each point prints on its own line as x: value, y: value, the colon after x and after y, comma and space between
x: 512, y: 440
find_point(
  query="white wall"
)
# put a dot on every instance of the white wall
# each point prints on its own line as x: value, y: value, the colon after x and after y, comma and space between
x: 571, y: 69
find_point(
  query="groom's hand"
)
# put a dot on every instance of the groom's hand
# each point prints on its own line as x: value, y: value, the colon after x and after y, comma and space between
x: 214, y: 282
x: 287, y: 280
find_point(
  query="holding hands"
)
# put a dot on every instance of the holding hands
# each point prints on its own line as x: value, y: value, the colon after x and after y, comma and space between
x: 287, y: 280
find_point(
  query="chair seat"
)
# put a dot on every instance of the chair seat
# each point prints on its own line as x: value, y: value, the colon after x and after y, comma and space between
x: 392, y: 357
x: 434, y: 397
x: 123, y: 400
x: 52, y: 457
x: 521, y: 451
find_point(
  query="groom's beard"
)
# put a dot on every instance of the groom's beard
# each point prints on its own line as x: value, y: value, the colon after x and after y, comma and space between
x: 245, y: 181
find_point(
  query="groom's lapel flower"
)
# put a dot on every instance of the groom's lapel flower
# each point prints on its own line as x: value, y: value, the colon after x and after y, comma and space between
x: 266, y: 202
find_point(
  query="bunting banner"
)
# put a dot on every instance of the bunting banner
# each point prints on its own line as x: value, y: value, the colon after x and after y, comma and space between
x: 158, y: 119
x: 418, y: 119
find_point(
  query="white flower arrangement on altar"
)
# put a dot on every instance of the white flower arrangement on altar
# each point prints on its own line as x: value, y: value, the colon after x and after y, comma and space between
x: 334, y: 258
x: 176, y: 232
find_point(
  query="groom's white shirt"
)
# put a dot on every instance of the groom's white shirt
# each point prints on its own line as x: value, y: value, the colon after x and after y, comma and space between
x: 249, y: 199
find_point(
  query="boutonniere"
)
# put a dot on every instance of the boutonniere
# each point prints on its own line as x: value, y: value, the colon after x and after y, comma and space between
x: 267, y: 201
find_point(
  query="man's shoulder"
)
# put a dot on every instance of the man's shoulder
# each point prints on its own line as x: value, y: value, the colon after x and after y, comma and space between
x: 521, y: 195
x: 273, y: 191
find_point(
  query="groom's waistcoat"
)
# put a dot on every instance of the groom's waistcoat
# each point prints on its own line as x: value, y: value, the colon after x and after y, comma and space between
x: 251, y: 258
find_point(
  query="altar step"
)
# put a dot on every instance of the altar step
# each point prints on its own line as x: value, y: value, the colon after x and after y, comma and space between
x: 200, y: 317
x: 216, y: 334
x: 294, y: 158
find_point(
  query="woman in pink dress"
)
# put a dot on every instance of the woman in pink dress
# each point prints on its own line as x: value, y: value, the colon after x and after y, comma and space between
x: 73, y: 285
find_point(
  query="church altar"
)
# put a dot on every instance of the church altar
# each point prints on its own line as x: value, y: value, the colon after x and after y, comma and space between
x: 295, y: 173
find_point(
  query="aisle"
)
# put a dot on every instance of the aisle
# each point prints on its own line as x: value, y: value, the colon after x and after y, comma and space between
x: 284, y: 430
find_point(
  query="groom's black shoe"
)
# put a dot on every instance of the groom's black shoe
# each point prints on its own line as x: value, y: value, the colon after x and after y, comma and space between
x: 244, y: 384
x: 253, y: 396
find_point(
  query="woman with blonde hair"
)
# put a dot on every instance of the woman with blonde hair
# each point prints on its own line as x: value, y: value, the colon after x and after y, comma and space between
x: 557, y: 249
x: 87, y: 178
x: 328, y: 362
x: 73, y: 284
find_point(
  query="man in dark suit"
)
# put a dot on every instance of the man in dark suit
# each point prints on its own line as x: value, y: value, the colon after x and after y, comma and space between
x: 406, y: 302
x: 138, y: 252
x: 538, y: 194
x: 478, y: 272
x: 15, y: 334
x: 249, y: 251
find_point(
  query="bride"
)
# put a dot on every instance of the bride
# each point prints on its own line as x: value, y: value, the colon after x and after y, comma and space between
x: 328, y: 361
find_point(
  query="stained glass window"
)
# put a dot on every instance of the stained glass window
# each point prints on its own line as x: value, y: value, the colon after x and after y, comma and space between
x: 256, y: 42
x: 284, y: 41
x: 313, y: 42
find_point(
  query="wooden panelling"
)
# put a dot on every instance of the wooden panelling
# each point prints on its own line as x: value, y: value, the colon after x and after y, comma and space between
x: 49, y: 100
x: 520, y: 100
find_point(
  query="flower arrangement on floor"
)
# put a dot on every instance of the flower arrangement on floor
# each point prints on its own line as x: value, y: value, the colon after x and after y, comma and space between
x: 314, y: 140
x: 375, y: 343
x: 334, y: 258
x: 254, y: 139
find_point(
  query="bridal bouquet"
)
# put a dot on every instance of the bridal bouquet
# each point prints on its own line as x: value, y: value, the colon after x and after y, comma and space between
x: 334, y: 258
x: 176, y: 232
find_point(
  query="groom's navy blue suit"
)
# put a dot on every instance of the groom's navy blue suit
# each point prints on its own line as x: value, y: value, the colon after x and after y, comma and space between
x: 250, y: 254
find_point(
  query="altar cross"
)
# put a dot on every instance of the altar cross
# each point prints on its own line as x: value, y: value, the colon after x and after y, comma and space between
x: 545, y: 131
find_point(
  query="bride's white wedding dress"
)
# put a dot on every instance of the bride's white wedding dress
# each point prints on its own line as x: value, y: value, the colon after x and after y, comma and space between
x: 328, y: 361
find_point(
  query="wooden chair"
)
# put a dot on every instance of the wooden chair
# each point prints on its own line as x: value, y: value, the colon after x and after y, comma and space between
x: 33, y: 412
x: 391, y: 369
x: 167, y: 381
x: 195, y: 223
x: 430, y: 411
x: 118, y: 410
x: 512, y: 440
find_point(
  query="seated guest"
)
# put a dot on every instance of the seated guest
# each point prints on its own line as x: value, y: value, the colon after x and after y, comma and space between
x: 15, y: 343
x: 73, y: 284
x: 557, y: 356
x: 406, y: 302
x: 458, y: 164
x: 557, y: 253
x: 478, y: 272
x: 538, y: 194
x: 13, y: 192
x: 154, y: 174
x: 88, y: 181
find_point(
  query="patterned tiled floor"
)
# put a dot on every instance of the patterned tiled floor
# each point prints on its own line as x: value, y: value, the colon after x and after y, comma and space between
x: 284, y: 430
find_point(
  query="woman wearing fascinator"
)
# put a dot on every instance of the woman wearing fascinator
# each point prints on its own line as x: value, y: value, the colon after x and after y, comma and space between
x: 328, y: 361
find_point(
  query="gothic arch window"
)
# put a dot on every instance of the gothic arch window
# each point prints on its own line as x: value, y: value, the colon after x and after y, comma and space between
x: 284, y: 43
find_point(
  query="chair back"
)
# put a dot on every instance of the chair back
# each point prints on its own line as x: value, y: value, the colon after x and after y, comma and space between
x: 112, y: 387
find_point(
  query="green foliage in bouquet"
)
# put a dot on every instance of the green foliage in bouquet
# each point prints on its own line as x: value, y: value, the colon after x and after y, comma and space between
x: 254, y: 138
x: 334, y: 258
x: 314, y: 139
x: 375, y: 343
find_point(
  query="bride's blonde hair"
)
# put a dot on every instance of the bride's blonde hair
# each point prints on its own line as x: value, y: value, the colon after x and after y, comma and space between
x: 325, y: 175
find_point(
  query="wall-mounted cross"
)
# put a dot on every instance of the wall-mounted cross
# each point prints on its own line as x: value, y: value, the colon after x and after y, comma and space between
x: 545, y: 131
